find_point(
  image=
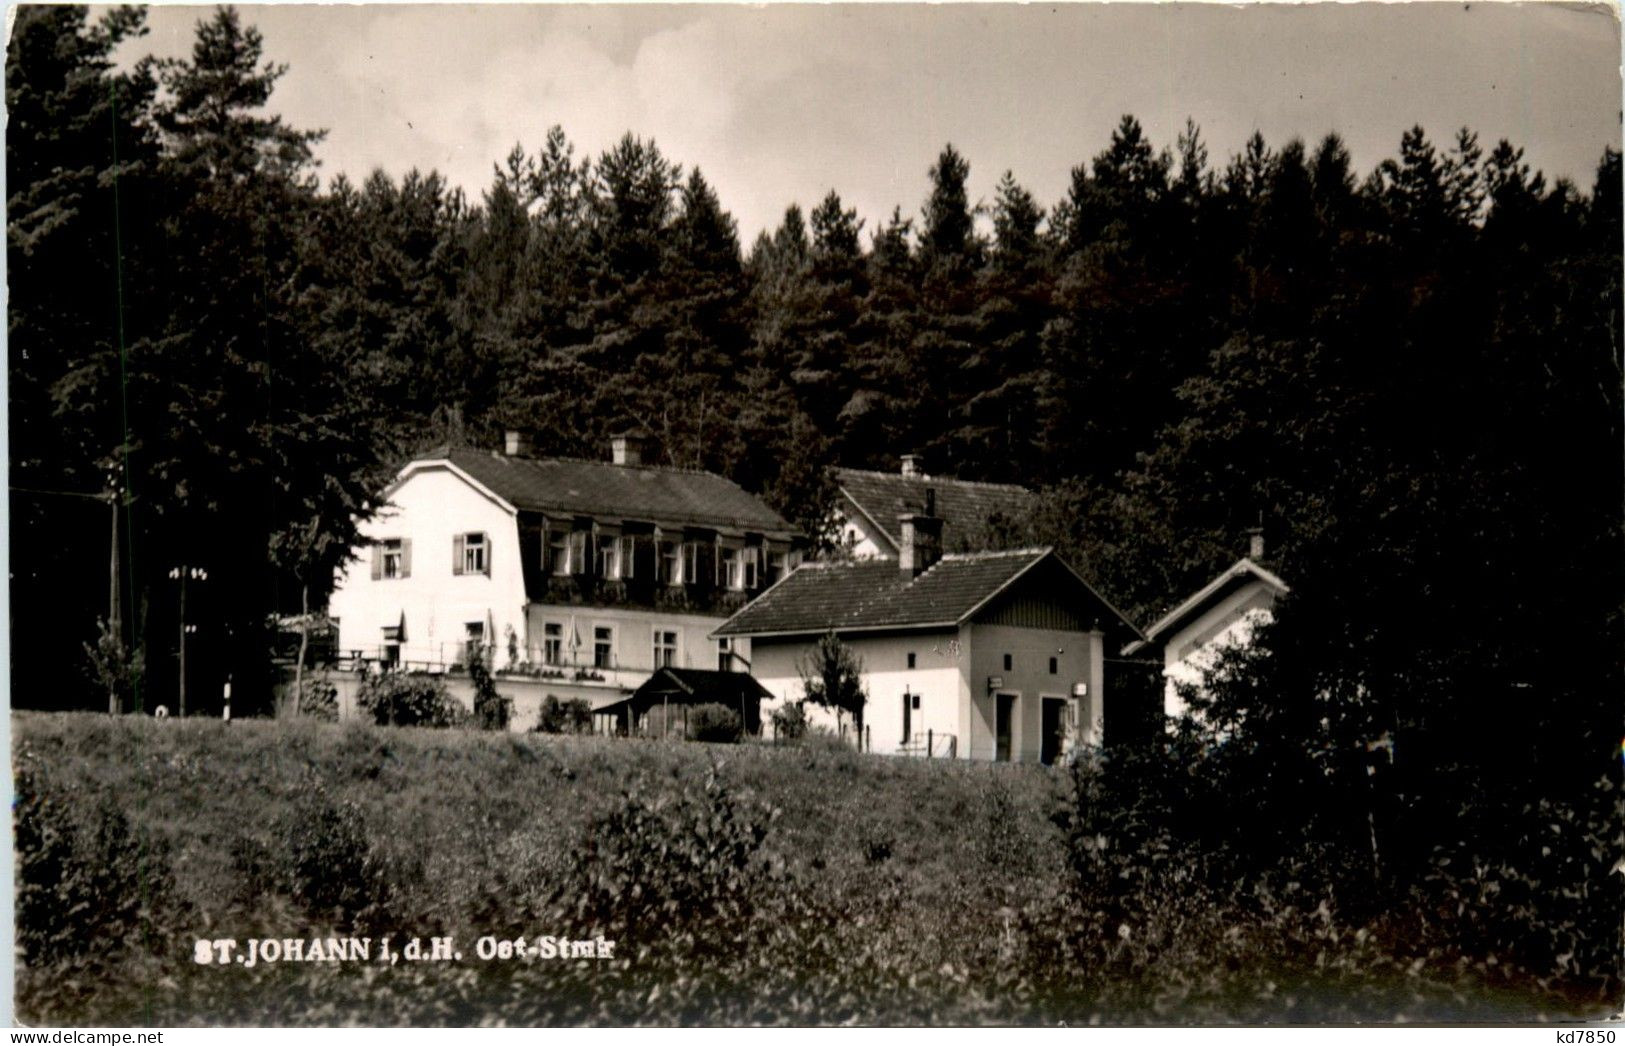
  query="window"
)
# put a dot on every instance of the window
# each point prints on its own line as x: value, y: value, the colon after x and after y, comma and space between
x: 391, y: 654
x: 1008, y: 661
x: 471, y: 554
x: 559, y: 548
x: 1054, y: 666
x: 474, y: 632
x: 392, y: 558
x: 609, y: 557
x: 753, y: 566
x: 776, y: 564
x: 671, y: 564
x: 578, y: 552
x: 603, y: 646
x: 725, y: 655
x: 665, y: 648
x: 730, y: 568
x: 911, y: 660
x: 553, y: 643
x: 691, y: 562
x: 627, y: 549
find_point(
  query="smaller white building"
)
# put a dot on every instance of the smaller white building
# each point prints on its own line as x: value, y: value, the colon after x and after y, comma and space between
x: 1222, y: 615
x: 991, y: 655
x: 871, y: 503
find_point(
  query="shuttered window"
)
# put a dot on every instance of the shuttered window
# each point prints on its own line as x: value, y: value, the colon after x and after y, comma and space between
x: 391, y: 558
x: 471, y: 554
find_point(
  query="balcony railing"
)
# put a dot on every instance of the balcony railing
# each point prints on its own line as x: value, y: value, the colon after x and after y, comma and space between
x: 585, y: 590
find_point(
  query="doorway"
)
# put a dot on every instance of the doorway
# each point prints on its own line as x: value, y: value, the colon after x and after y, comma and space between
x: 1003, y: 717
x: 1053, y: 727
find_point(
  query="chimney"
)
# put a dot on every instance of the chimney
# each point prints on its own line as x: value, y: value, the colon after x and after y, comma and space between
x: 1255, y: 543
x: 516, y: 444
x: 921, y: 546
x: 627, y: 448
x: 911, y: 465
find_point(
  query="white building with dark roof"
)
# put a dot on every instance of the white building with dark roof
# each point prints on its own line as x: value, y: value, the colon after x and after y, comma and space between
x: 584, y: 575
x: 870, y: 503
x: 993, y: 655
x: 1221, y: 615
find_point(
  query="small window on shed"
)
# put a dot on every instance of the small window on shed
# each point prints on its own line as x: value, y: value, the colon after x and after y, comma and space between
x: 1008, y: 662
x: 911, y: 660
x: 1054, y: 666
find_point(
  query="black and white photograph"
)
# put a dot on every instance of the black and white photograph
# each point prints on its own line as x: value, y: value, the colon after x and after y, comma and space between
x: 862, y: 515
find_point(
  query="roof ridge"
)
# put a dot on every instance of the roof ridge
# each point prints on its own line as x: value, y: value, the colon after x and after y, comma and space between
x: 1030, y: 550
x: 681, y: 470
x: 937, y: 479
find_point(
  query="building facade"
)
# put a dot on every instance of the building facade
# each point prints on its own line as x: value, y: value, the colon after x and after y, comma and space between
x: 1222, y: 615
x: 869, y: 505
x: 992, y: 656
x: 584, y: 575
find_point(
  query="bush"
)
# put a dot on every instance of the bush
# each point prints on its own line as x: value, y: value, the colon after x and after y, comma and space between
x: 331, y: 867
x: 409, y: 699
x: 564, y: 717
x: 491, y: 710
x: 789, y: 722
x: 716, y: 723
x: 82, y: 889
x: 683, y: 873
x: 319, y: 699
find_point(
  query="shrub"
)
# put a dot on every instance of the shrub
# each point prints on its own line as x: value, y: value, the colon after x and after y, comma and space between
x: 332, y: 869
x: 319, y: 699
x: 713, y: 722
x: 790, y: 721
x: 82, y: 889
x: 491, y: 710
x: 684, y: 872
x: 564, y: 717
x: 409, y: 699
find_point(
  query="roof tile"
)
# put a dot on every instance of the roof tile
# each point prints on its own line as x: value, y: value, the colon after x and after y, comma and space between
x: 964, y: 506
x: 875, y: 593
x: 598, y: 488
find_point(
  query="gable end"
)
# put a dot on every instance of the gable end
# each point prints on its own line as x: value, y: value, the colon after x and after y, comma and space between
x: 1043, y: 598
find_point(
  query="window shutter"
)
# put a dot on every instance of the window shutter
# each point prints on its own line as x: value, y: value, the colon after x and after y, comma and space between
x: 406, y: 557
x: 457, y: 554
x: 377, y: 560
x: 489, y: 550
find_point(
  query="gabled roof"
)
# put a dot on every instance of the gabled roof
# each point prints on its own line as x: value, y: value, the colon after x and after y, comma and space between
x: 1239, y: 573
x: 870, y: 595
x: 706, y: 684
x: 964, y: 506
x: 568, y: 487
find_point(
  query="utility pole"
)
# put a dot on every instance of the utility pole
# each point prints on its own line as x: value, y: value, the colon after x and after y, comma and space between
x: 183, y: 644
x: 115, y: 623
x: 181, y: 573
x: 114, y: 618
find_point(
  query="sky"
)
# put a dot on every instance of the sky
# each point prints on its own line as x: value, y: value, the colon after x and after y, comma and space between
x: 779, y: 103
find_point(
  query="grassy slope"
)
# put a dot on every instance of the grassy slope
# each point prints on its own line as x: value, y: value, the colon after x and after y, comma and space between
x: 917, y: 865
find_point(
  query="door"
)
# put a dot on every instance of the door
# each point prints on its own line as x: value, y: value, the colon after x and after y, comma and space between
x: 1053, y: 730
x: 1003, y: 716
